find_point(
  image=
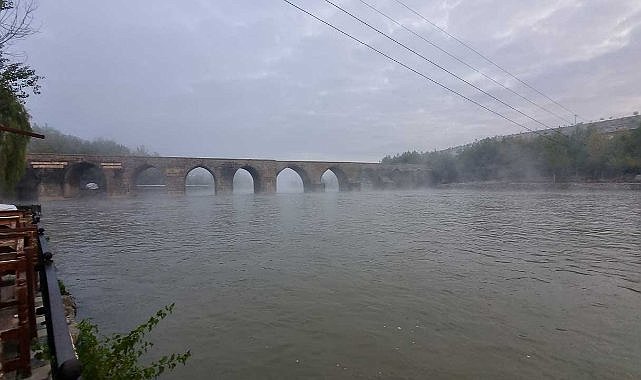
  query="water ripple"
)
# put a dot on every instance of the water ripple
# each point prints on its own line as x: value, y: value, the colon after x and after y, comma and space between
x: 409, y: 284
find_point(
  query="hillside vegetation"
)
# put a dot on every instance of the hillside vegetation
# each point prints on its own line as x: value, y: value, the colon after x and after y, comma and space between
x: 584, y: 155
x: 58, y: 142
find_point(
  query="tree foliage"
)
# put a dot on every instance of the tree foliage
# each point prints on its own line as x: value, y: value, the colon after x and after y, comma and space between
x: 18, y: 78
x: 119, y: 357
x: 61, y: 143
x: 12, y: 146
x: 17, y: 81
x: 583, y: 155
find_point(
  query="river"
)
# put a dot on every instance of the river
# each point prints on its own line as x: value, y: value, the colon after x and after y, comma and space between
x: 390, y: 285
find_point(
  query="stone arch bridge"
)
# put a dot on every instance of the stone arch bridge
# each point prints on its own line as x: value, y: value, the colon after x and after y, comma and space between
x: 59, y: 176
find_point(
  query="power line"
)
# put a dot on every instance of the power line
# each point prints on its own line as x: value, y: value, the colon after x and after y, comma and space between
x: 436, y: 64
x: 460, y: 60
x: 485, y: 58
x: 415, y: 71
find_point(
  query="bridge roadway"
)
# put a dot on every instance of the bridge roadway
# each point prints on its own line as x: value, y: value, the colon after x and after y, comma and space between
x: 62, y: 176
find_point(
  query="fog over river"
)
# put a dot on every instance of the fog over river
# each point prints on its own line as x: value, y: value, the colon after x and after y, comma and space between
x: 390, y: 285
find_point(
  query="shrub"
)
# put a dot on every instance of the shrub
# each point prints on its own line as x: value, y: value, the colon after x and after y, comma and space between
x: 118, y: 356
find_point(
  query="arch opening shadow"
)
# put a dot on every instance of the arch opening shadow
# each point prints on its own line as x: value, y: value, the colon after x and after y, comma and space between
x: 29, y: 186
x: 84, y: 179
x: 150, y: 179
x: 289, y: 180
x: 246, y: 181
x: 200, y: 181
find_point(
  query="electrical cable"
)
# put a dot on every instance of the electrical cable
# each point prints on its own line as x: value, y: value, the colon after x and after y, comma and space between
x: 416, y: 71
x: 436, y: 64
x: 460, y: 60
x: 485, y: 58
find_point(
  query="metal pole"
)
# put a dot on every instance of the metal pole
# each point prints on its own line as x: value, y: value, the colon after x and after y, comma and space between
x: 21, y: 132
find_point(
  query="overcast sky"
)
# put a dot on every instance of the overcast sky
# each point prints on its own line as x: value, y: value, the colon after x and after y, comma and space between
x: 260, y: 79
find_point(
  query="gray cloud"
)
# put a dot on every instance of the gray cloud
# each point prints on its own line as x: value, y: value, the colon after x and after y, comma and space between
x: 260, y: 79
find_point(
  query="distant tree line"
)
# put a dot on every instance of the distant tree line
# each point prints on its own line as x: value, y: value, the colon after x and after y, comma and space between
x: 58, y: 142
x: 583, y: 155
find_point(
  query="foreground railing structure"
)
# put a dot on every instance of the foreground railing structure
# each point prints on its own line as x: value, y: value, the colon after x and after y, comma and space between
x: 64, y: 363
x: 28, y: 258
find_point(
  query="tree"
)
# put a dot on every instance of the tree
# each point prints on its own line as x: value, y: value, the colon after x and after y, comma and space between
x: 15, y: 20
x: 13, y: 147
x: 18, y: 78
x: 598, y: 151
x: 584, y: 154
x: 17, y: 81
x: 443, y: 165
x: 62, y: 143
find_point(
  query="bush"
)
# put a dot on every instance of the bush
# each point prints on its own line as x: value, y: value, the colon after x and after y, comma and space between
x: 118, y: 356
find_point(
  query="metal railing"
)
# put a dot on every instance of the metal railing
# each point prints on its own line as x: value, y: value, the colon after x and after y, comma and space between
x: 64, y: 363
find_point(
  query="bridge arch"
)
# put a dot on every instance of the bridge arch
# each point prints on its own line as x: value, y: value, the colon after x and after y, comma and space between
x: 83, y: 177
x: 302, y: 174
x: 193, y: 174
x: 148, y: 176
x: 255, y: 175
x: 343, y: 180
x: 329, y: 181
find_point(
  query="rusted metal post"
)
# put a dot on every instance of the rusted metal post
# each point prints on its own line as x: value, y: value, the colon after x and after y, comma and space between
x: 21, y: 132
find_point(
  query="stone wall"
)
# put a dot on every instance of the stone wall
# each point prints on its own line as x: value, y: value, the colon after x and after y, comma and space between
x: 58, y: 176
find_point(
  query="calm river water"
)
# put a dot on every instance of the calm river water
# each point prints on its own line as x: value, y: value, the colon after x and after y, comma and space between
x: 398, y: 285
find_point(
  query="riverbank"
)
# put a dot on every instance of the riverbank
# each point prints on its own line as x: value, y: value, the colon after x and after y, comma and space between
x: 530, y: 186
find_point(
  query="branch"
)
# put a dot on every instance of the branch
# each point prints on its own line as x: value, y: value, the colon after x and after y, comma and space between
x: 15, y: 20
